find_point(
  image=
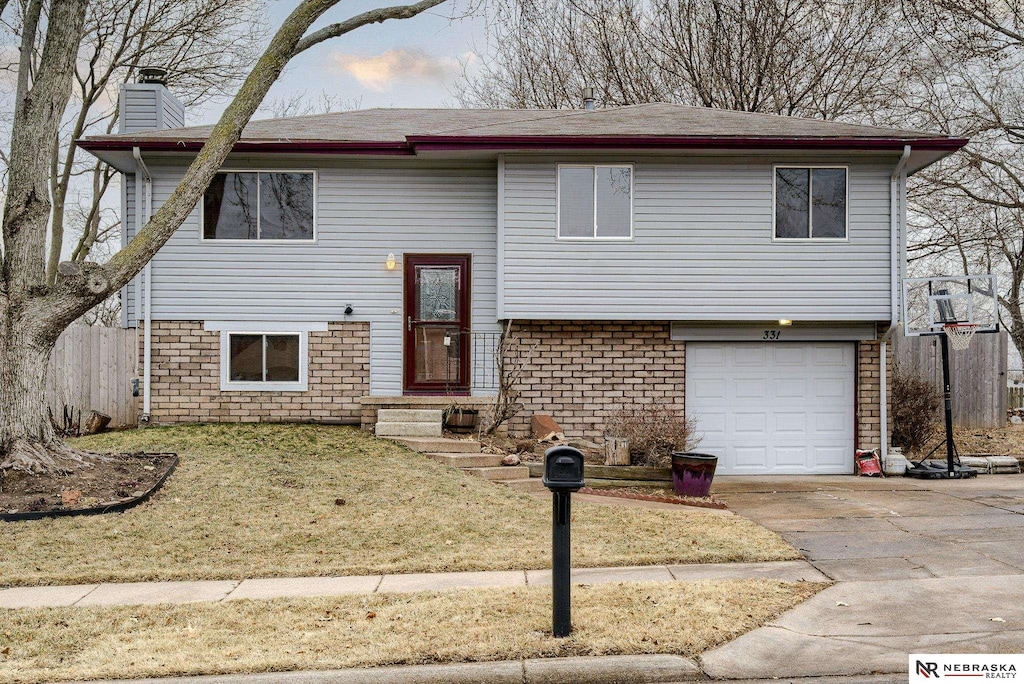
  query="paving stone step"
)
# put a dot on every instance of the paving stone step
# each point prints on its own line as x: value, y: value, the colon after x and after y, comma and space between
x: 409, y: 415
x: 467, y: 460
x: 524, y: 484
x: 499, y: 472
x: 408, y: 429
x: 439, y: 445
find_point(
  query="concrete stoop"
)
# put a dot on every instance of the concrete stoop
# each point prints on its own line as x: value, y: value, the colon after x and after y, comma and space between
x: 408, y: 423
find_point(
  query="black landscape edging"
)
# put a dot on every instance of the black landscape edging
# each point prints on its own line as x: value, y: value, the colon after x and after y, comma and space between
x: 95, y: 510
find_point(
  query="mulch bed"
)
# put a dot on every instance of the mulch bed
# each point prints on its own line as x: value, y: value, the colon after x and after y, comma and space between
x: 113, y: 483
x: 658, y: 495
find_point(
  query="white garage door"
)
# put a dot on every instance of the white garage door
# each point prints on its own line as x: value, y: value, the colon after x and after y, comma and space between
x: 778, y: 408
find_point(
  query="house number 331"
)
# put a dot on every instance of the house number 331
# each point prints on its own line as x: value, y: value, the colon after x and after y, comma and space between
x: 771, y: 335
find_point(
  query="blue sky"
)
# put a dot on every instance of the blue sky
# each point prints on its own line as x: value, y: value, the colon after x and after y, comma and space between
x: 406, y: 63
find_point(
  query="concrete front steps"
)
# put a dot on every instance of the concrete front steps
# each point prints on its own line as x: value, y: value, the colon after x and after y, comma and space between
x: 465, y: 455
x: 408, y: 423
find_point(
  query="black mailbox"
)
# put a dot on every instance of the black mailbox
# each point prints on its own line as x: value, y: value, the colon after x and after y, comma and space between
x: 563, y: 469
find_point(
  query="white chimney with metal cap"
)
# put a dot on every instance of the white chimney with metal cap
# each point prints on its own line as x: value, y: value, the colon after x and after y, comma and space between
x: 148, y: 105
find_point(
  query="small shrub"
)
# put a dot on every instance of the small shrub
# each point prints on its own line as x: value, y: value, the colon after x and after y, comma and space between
x: 915, y: 404
x: 654, y: 432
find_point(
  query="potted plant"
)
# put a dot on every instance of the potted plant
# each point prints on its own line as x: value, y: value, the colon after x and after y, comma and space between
x: 459, y: 418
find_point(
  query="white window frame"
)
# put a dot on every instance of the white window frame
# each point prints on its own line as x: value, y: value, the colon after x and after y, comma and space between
x: 810, y: 196
x: 258, y: 240
x: 228, y: 328
x: 558, y: 201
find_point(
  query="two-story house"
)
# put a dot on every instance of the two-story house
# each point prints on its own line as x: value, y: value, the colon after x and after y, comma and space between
x: 742, y: 267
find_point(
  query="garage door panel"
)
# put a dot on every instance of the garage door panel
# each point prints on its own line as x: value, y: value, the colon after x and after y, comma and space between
x: 751, y: 457
x: 774, y: 407
x: 790, y: 388
x: 789, y: 355
x: 788, y: 423
x: 831, y: 388
x: 707, y: 389
x: 791, y: 457
x: 756, y: 389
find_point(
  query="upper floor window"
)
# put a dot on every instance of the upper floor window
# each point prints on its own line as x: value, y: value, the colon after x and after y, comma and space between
x: 595, y: 201
x: 810, y: 202
x: 259, y: 205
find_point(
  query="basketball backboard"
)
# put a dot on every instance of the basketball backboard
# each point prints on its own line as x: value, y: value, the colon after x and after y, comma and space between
x: 931, y: 303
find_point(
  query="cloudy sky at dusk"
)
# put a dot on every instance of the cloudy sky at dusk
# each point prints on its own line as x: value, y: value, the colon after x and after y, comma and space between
x: 408, y: 63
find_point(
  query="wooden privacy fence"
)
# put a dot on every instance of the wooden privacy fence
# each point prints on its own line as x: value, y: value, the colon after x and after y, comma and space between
x: 92, y: 369
x: 977, y: 376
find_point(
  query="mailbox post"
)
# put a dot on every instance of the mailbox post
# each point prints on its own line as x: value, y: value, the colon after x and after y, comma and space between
x: 563, y: 475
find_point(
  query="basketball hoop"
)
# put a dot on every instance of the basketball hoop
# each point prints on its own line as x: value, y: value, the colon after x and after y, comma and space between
x: 960, y: 334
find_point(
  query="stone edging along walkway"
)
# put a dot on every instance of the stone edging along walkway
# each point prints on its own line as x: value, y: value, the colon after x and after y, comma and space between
x: 148, y: 593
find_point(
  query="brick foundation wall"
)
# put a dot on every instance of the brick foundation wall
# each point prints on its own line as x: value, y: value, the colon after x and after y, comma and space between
x: 869, y: 435
x: 185, y: 378
x: 582, y: 372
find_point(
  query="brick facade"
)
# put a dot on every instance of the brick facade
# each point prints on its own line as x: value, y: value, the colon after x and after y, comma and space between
x: 185, y: 378
x: 868, y: 385
x: 582, y: 372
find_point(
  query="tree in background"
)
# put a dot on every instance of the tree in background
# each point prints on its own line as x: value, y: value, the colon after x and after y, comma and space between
x: 35, y: 309
x: 969, y: 208
x: 795, y: 57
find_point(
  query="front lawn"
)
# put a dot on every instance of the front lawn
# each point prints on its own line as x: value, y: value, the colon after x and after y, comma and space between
x: 382, y: 629
x: 263, y: 500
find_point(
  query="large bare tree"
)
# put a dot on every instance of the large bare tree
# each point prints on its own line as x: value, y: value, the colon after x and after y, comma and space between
x: 969, y: 209
x: 33, y: 309
x: 808, y: 57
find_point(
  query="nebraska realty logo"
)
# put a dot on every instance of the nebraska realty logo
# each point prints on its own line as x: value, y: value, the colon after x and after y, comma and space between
x: 932, y: 667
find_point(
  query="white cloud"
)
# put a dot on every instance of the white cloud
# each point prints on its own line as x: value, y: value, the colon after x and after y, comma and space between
x: 381, y: 72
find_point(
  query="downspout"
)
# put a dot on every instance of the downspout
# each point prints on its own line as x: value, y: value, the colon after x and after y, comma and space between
x: 896, y: 209
x: 147, y: 339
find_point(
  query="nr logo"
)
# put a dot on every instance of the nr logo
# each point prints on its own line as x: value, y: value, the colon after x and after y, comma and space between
x: 926, y: 669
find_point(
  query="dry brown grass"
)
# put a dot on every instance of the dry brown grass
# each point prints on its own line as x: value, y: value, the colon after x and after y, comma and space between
x: 473, y: 625
x: 1005, y: 441
x: 260, y: 501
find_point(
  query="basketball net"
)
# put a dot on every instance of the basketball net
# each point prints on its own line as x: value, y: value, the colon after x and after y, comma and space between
x: 959, y: 334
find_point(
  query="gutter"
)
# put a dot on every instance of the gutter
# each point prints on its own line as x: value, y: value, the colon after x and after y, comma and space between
x: 413, y: 144
x: 147, y: 341
x: 896, y: 209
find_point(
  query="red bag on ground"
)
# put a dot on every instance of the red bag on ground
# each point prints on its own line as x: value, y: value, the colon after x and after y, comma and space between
x: 868, y: 464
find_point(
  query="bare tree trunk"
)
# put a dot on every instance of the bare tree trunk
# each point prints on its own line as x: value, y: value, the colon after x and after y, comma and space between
x: 27, y: 439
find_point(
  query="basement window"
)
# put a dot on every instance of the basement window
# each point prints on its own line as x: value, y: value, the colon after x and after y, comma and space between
x: 811, y: 202
x: 268, y: 206
x: 252, y: 361
x: 595, y: 201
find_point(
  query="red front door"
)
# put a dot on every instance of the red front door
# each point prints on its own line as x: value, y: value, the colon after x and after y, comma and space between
x: 436, y: 323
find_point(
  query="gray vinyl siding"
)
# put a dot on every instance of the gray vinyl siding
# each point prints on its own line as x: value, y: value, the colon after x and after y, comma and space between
x: 145, y: 106
x: 128, y: 314
x: 702, y: 248
x: 364, y: 211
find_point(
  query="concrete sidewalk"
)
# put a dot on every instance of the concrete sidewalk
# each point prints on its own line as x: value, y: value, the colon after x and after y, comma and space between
x: 143, y: 593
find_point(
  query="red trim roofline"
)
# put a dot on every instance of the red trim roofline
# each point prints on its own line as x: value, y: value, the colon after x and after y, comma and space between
x: 447, y: 143
x: 276, y: 146
x: 680, y: 142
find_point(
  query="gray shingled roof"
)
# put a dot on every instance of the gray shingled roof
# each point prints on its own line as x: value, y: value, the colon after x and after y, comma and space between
x: 398, y: 125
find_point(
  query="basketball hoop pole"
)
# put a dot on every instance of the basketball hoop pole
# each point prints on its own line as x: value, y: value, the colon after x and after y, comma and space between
x: 947, y: 397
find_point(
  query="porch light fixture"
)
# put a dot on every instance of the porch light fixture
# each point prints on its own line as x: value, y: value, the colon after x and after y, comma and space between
x: 785, y: 321
x: 390, y: 262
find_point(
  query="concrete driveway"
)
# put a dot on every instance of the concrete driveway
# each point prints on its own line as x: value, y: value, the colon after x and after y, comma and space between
x: 921, y: 567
